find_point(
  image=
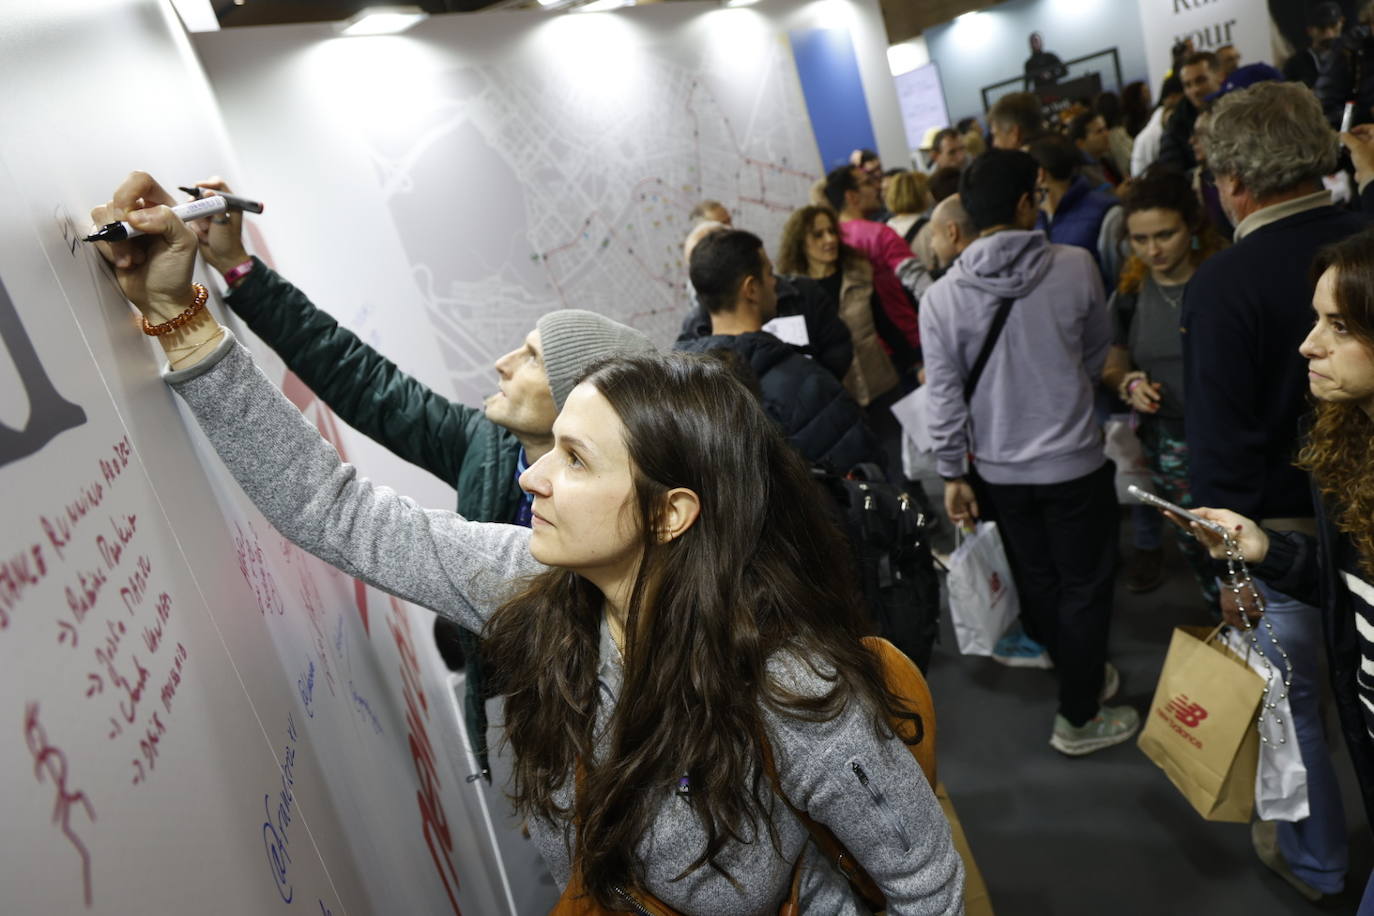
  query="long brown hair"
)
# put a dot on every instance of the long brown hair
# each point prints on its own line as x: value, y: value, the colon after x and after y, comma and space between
x: 1339, y: 452
x: 792, y: 249
x: 1163, y: 189
x: 757, y: 575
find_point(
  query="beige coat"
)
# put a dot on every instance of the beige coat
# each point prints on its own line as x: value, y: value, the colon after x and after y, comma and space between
x: 871, y: 374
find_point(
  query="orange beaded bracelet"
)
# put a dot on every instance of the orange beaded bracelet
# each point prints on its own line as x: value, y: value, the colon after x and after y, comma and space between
x: 195, y: 308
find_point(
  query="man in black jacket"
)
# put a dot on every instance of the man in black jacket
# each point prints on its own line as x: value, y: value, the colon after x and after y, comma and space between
x: 1349, y: 72
x: 1360, y: 142
x: 1043, y: 68
x: 828, y: 339
x: 1245, y: 312
x: 1200, y: 79
x: 1324, y: 24
x: 734, y: 280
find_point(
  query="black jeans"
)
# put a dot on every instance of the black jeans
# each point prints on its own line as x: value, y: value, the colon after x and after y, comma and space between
x: 1061, y: 541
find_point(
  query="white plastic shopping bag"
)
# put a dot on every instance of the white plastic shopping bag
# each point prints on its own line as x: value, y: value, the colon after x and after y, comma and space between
x: 1123, y: 447
x: 1281, y: 777
x: 982, y: 595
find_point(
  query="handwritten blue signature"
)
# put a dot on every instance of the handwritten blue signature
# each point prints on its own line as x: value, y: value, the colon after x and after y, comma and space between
x: 274, y: 829
x: 306, y: 686
x: 365, y: 708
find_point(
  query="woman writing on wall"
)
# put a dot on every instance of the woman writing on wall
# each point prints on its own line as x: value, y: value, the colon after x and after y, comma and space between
x: 674, y: 613
x: 1335, y: 569
x: 1169, y: 238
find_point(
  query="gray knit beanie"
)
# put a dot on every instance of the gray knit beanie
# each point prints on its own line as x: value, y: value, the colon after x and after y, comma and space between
x: 573, y: 339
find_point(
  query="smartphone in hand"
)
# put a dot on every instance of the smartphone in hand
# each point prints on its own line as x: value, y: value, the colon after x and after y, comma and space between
x: 1152, y: 500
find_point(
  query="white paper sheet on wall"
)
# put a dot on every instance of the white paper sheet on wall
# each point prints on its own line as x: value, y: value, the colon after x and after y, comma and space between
x: 922, y: 99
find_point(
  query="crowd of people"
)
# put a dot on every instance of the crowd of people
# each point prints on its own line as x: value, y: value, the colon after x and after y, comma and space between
x: 643, y: 567
x: 1209, y: 232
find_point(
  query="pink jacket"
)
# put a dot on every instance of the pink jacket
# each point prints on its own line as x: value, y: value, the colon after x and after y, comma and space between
x: 885, y: 249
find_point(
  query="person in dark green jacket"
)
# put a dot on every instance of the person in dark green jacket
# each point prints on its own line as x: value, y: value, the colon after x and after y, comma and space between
x: 481, y: 451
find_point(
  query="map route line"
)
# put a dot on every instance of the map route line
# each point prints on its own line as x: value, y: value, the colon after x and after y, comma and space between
x: 636, y: 193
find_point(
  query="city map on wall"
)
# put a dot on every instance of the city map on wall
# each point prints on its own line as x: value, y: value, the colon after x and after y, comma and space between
x: 528, y: 171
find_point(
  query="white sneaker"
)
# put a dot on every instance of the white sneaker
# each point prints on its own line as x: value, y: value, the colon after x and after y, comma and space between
x: 1111, y: 725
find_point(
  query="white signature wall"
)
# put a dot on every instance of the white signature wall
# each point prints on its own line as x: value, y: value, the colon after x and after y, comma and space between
x: 198, y: 717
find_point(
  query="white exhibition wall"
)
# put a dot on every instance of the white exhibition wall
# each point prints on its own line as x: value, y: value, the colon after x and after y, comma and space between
x: 201, y: 718
x: 439, y: 190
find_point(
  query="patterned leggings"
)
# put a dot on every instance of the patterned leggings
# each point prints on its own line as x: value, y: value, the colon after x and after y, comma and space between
x: 1168, y: 457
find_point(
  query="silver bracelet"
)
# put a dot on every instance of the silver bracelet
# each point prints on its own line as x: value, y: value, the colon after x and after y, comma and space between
x: 1238, y: 580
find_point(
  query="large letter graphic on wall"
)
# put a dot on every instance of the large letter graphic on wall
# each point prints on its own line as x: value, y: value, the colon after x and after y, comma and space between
x: 49, y: 412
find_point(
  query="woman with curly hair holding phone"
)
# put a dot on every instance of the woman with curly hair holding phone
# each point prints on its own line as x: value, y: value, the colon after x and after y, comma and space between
x: 1335, y: 569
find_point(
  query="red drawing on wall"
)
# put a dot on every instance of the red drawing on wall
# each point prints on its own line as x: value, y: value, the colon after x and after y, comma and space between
x: 49, y: 761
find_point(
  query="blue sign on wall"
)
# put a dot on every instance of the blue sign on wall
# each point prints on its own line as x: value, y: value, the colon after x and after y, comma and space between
x: 834, y: 91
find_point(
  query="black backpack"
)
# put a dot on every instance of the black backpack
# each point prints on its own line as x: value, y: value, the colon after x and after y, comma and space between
x: 887, y: 529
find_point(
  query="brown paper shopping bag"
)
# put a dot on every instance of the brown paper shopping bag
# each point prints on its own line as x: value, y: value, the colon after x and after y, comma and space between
x: 1201, y: 727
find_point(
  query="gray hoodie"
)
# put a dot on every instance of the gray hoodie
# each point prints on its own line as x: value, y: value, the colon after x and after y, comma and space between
x: 890, y: 821
x: 1031, y: 419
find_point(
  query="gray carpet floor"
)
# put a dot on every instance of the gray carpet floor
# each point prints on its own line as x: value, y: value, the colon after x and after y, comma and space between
x: 1106, y: 833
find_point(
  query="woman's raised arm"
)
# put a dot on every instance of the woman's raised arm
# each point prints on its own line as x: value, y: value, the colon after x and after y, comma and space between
x: 437, y: 559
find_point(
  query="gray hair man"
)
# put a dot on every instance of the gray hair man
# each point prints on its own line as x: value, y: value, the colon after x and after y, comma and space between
x: 1244, y: 314
x: 1015, y: 120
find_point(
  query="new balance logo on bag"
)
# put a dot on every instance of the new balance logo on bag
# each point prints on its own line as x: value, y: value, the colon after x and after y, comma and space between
x: 1186, y: 711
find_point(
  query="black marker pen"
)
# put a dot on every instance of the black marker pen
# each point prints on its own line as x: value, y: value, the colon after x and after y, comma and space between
x: 195, y: 209
x: 235, y: 202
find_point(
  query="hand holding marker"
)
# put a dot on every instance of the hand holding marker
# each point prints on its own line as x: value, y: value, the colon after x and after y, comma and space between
x: 235, y: 202
x: 195, y: 209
